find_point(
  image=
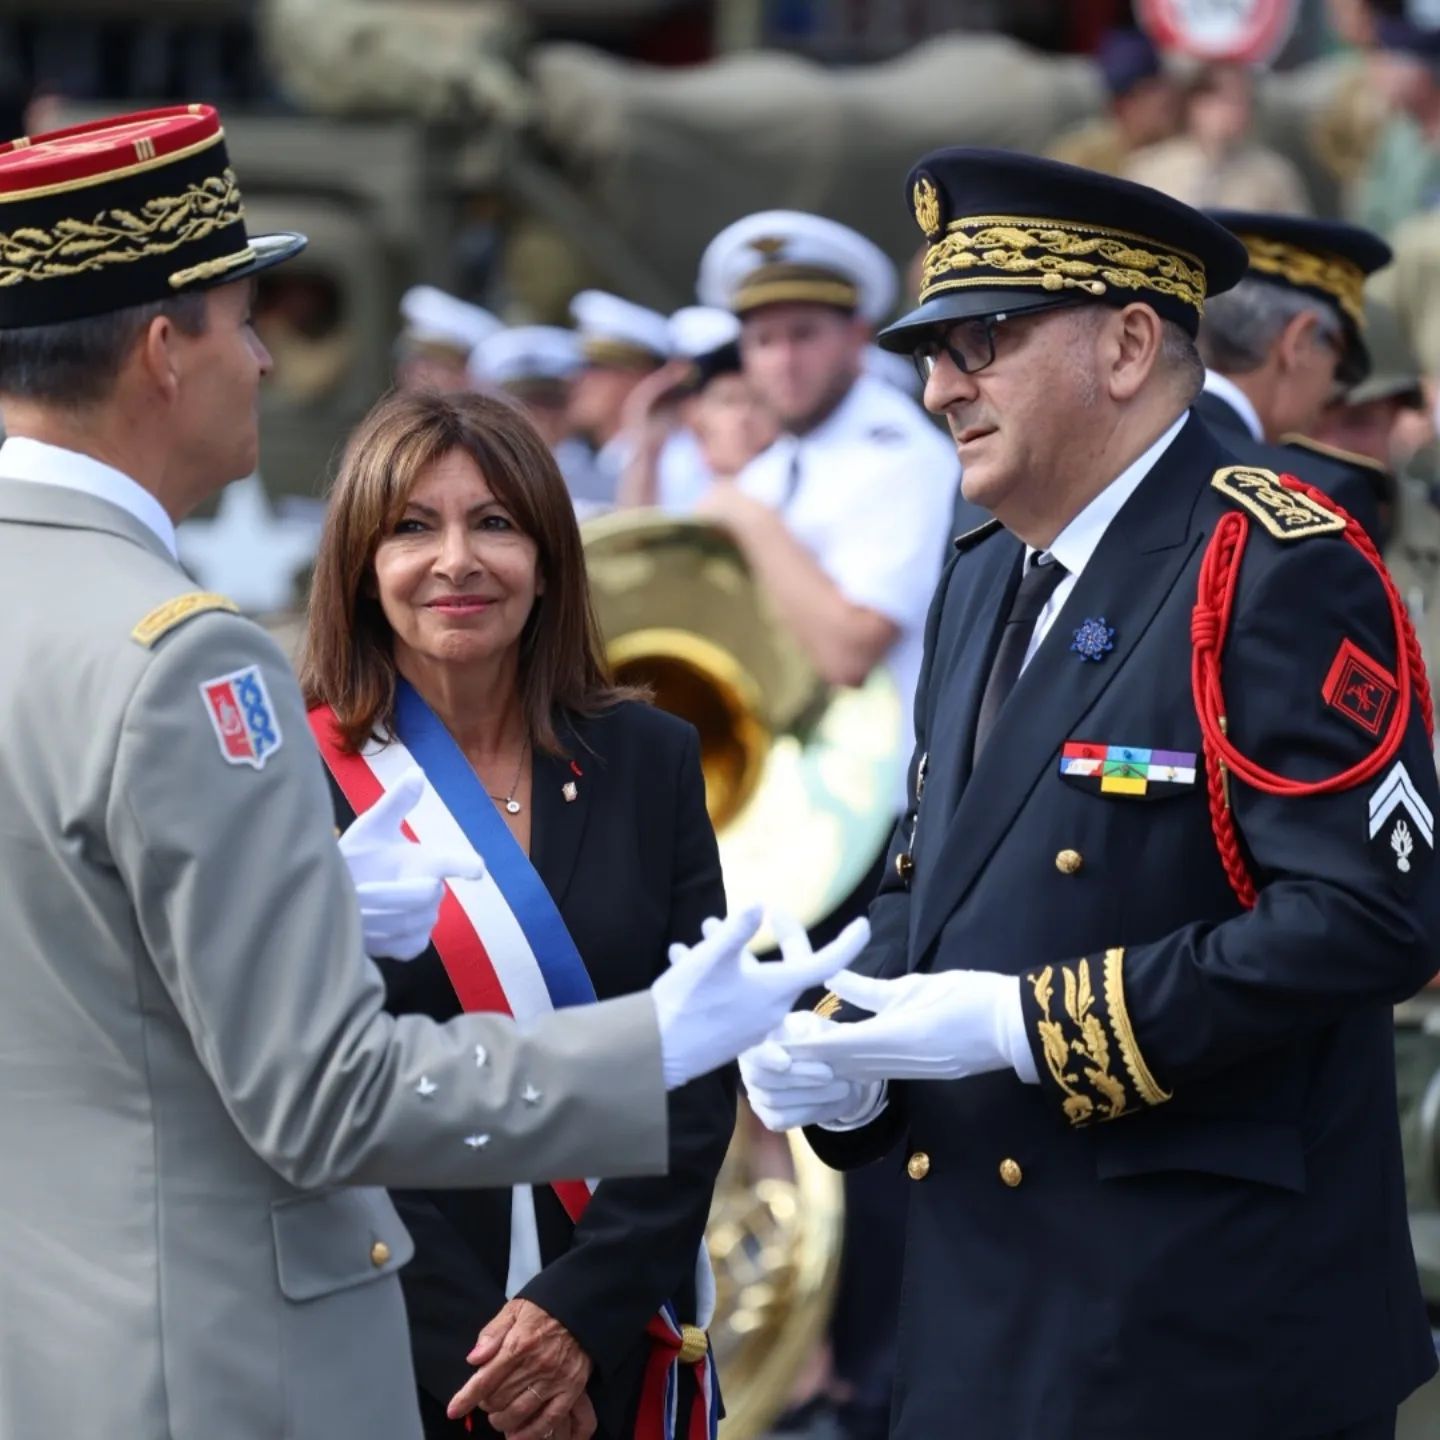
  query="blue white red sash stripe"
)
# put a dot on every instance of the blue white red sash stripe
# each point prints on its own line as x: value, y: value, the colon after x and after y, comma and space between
x: 506, y: 949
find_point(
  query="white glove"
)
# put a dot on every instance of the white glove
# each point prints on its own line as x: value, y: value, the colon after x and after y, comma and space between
x: 717, y: 999
x: 400, y: 884
x: 926, y: 1027
x: 786, y: 1093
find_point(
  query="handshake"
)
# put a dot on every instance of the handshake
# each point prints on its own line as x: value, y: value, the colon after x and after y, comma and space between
x: 717, y: 1000
x: 946, y: 1026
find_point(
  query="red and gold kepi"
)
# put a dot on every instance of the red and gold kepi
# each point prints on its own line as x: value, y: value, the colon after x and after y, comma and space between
x: 120, y: 212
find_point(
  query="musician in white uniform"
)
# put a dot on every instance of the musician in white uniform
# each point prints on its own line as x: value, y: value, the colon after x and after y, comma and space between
x: 844, y: 517
x: 845, y: 522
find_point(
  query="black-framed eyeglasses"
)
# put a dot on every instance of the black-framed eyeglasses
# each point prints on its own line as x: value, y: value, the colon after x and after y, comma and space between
x: 970, y: 344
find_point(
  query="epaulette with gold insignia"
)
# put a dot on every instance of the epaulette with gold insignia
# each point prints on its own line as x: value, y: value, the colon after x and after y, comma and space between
x: 1334, y: 452
x: 164, y: 618
x: 971, y: 538
x: 1287, y: 514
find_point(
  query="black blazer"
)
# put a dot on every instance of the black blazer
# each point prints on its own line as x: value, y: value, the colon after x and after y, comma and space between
x: 1364, y: 488
x: 1229, y: 1254
x: 633, y: 866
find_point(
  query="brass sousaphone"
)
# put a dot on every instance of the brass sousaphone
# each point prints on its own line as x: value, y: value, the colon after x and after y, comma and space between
x: 801, y: 781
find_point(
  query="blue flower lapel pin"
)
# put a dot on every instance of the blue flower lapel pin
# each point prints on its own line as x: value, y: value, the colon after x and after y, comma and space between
x: 1094, y: 640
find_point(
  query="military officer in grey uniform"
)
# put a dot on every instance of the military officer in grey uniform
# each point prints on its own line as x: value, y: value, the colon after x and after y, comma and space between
x: 195, y: 1063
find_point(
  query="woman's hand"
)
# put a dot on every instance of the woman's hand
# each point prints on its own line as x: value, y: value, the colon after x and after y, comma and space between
x: 531, y: 1378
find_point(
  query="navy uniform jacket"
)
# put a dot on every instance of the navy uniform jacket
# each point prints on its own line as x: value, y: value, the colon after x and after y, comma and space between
x: 1228, y: 1254
x: 1362, y: 486
x: 633, y: 866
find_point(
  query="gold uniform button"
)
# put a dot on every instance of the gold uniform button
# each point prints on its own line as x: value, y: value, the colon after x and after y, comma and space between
x: 1011, y: 1173
x: 1069, y: 862
x: 918, y: 1165
x: 904, y: 865
x: 379, y: 1254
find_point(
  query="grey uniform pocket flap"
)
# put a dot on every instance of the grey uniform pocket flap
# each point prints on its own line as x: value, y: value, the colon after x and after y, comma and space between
x: 1267, y: 1152
x: 336, y: 1239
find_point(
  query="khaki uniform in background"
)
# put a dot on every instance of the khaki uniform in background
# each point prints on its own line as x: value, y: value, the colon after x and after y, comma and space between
x: 1410, y: 286
x: 1253, y: 178
x: 1095, y: 145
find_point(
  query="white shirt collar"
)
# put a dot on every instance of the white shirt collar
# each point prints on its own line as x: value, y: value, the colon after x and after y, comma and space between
x: 1078, y: 541
x: 24, y: 459
x: 1223, y: 388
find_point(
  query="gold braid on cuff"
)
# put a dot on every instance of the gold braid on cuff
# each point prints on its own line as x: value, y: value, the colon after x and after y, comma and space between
x: 1082, y: 1043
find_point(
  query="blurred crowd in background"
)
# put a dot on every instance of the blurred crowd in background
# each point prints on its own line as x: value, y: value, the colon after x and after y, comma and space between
x: 508, y: 157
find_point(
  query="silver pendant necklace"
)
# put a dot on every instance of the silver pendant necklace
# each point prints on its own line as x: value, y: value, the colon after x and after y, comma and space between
x: 511, y: 804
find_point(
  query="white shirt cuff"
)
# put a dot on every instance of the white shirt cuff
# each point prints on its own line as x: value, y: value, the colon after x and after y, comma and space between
x: 1021, y: 1055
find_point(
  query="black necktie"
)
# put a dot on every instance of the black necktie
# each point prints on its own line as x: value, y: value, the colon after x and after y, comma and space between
x: 1042, y: 574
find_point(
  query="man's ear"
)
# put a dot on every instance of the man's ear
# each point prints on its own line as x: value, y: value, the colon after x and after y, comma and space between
x: 1134, y: 351
x: 155, y: 355
x: 1299, y: 334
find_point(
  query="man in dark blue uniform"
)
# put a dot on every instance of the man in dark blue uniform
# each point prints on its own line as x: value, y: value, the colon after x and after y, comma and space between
x: 1170, y: 863
x: 1285, y: 342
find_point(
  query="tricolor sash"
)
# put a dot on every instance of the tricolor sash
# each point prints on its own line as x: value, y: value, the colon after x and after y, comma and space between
x: 506, y: 949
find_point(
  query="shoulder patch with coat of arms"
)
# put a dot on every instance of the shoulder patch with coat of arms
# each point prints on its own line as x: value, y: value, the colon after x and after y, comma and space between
x: 242, y: 717
x: 1287, y: 514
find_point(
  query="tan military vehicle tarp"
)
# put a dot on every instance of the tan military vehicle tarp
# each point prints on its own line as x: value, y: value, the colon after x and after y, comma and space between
x: 671, y: 156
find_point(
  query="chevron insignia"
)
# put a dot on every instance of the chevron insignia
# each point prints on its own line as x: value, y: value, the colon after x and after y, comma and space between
x: 1399, y: 817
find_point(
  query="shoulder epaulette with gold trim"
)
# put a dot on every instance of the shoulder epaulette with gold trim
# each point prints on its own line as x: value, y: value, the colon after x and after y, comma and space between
x: 1287, y: 514
x: 1334, y: 452
x: 164, y: 618
x: 972, y: 538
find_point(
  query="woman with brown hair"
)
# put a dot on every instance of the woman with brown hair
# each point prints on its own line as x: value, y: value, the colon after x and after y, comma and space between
x: 450, y: 622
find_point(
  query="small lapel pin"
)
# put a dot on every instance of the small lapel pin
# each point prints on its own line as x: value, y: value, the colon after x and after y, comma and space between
x: 1094, y: 640
x: 569, y: 791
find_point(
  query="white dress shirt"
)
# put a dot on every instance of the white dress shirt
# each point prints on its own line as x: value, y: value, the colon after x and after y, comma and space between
x: 1227, y: 390
x: 870, y: 493
x: 1078, y: 541
x: 25, y: 459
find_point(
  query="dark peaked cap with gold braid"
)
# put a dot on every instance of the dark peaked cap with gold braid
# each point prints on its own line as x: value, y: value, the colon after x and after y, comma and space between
x: 1323, y: 258
x: 1010, y: 232
x: 121, y: 212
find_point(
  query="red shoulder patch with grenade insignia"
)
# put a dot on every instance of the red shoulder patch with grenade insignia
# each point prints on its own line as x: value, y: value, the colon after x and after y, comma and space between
x: 1360, y: 688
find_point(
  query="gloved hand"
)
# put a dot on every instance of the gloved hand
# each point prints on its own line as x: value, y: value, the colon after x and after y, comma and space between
x: 717, y: 999
x: 925, y: 1027
x: 399, y: 883
x: 786, y: 1093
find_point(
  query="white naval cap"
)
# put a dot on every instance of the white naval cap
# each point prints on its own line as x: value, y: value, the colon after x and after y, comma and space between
x: 527, y: 352
x: 618, y: 332
x: 433, y: 317
x: 702, y: 329
x: 786, y: 255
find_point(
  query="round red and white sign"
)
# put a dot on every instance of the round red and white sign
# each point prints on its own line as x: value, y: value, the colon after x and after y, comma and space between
x: 1250, y: 31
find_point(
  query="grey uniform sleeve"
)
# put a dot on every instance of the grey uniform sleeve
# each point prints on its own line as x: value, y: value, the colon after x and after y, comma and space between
x: 245, y: 909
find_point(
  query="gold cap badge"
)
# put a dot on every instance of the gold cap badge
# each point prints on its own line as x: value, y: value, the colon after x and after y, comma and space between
x: 927, y: 206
